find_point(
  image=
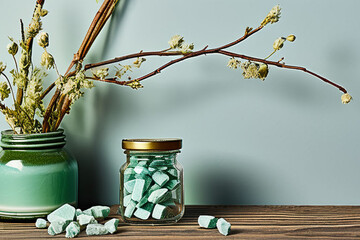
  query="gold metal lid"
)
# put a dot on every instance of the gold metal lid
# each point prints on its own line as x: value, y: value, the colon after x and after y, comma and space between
x: 152, y: 144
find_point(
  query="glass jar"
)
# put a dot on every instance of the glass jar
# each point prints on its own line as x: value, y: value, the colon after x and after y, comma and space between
x: 37, y: 174
x: 151, y: 182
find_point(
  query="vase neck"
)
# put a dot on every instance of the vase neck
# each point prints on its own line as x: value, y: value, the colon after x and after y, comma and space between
x: 50, y: 140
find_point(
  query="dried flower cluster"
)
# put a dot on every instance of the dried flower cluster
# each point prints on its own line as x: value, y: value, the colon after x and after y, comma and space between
x: 28, y: 109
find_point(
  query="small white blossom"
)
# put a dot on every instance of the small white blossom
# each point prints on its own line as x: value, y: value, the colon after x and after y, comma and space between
x: 291, y: 38
x: 47, y: 60
x: 273, y: 16
x: 43, y: 39
x: 233, y: 63
x: 249, y: 70
x: 135, y: 85
x: 43, y: 12
x: 4, y: 91
x: 254, y: 70
x: 186, y: 48
x: 279, y: 43
x: 346, y: 98
x: 35, y: 24
x: 137, y: 63
x: 12, y: 48
x: 101, y: 73
x: 68, y: 86
x: 176, y: 41
x: 263, y: 71
x: 2, y: 67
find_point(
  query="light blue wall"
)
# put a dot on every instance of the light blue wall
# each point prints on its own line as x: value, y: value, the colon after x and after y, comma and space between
x: 287, y: 140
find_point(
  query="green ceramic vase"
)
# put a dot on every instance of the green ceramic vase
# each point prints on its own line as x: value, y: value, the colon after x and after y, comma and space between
x: 37, y: 174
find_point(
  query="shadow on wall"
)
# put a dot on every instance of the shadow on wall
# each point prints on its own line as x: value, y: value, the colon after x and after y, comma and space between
x: 227, y: 181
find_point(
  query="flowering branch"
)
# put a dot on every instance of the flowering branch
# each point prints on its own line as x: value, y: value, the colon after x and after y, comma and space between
x: 204, y: 51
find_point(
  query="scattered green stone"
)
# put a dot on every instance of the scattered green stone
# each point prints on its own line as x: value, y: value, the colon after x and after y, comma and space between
x: 86, y: 219
x: 129, y: 210
x: 158, y: 195
x: 96, y: 229
x: 66, y: 212
x: 72, y: 230
x: 159, y: 211
x: 206, y: 221
x: 58, y: 226
x: 160, y: 178
x: 172, y: 184
x: 112, y: 225
x: 223, y: 226
x: 100, y: 211
x: 138, y: 189
x: 40, y: 223
x: 87, y: 212
x: 78, y: 212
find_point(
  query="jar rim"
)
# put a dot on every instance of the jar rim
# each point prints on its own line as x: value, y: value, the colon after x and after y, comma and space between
x: 11, y: 140
x: 152, y: 144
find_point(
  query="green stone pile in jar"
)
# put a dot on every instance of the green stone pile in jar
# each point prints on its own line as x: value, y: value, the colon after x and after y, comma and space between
x: 151, y: 188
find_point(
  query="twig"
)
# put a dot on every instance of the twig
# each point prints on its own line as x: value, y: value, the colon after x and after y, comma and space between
x: 97, y: 24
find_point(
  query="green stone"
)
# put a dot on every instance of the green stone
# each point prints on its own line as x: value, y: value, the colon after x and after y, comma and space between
x: 138, y: 190
x: 86, y: 219
x: 87, y: 212
x: 129, y: 210
x: 66, y: 212
x: 157, y: 163
x: 146, y: 195
x: 206, y: 221
x: 100, y: 211
x: 173, y: 172
x: 129, y: 186
x: 58, y: 226
x: 172, y: 184
x: 223, y: 226
x: 169, y: 202
x: 142, y: 163
x: 78, y: 212
x: 129, y: 174
x: 141, y: 170
x: 72, y: 230
x: 159, y: 195
x: 126, y: 200
x: 96, y: 229
x: 144, y: 212
x: 160, y: 178
x: 159, y: 211
x: 112, y: 225
x: 40, y: 223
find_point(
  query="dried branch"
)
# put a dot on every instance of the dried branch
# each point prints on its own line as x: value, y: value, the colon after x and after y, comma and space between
x: 204, y: 51
x: 97, y: 24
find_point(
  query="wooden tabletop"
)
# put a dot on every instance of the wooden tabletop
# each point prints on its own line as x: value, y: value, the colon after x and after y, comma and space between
x: 248, y: 222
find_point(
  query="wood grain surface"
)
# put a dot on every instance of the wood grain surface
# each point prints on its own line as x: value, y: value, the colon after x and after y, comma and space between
x: 248, y: 222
